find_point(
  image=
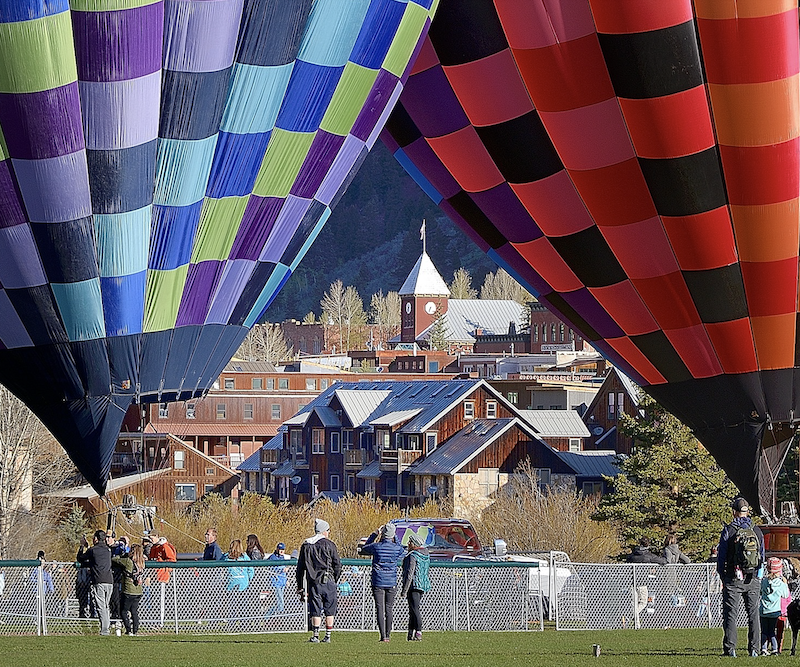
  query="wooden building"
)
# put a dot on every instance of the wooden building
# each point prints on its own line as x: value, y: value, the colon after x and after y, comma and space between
x: 618, y: 394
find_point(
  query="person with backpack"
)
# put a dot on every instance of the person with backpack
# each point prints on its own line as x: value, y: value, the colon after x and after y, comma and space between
x: 740, y: 559
x: 416, y: 582
x: 132, y: 567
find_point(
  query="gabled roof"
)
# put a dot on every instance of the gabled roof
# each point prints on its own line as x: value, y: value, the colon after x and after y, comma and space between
x: 372, y: 471
x: 424, y: 279
x: 592, y: 463
x: 243, y: 366
x: 327, y: 416
x: 359, y: 405
x: 449, y: 457
x: 630, y: 386
x: 492, y: 316
x: 285, y: 469
x: 252, y: 463
x: 86, y: 492
x: 556, y: 423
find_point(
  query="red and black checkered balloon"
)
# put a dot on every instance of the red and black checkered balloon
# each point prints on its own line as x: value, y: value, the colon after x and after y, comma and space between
x: 636, y: 164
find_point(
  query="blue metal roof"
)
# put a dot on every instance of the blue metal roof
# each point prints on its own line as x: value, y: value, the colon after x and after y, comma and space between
x: 452, y: 454
x: 592, y: 463
x: 275, y: 442
x: 252, y: 463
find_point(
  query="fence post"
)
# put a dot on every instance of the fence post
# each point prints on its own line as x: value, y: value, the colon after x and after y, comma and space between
x: 175, y: 597
x: 708, y: 595
x: 41, y: 622
x: 466, y: 598
x: 635, y: 597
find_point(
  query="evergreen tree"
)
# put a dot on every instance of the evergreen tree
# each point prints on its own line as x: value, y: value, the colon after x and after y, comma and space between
x: 440, y: 334
x: 669, y: 483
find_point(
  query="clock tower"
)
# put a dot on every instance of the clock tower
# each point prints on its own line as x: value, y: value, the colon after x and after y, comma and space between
x: 423, y: 297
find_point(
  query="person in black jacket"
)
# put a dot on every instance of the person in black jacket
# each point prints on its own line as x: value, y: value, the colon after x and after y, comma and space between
x: 642, y: 554
x: 319, y: 564
x: 98, y: 560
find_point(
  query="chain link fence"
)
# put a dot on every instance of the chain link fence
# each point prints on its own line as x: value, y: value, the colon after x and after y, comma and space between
x: 599, y: 596
x: 195, y: 597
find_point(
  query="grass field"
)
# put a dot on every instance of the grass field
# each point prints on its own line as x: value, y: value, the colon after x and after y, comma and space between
x: 654, y: 648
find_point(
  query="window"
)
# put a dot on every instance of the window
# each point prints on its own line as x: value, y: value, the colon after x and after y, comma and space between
x: 543, y: 474
x: 270, y: 383
x: 430, y: 442
x: 562, y: 333
x: 488, y: 481
x: 317, y: 441
x: 179, y: 458
x: 248, y: 410
x: 369, y: 487
x: 433, y: 367
x: 209, y: 471
x: 323, y: 383
x: 592, y: 488
x: 283, y: 488
x: 208, y: 488
x: 335, y: 438
x: 163, y: 410
x: 413, y: 442
x: 351, y: 484
x: 382, y: 439
x: 391, y: 485
x: 190, y: 410
x: 311, y: 384
x: 283, y: 383
x: 347, y: 438
x: 469, y: 409
x: 314, y: 484
x: 513, y: 397
x: 335, y: 483
x: 535, y: 333
x: 491, y: 409
x: 258, y: 383
x: 229, y: 383
x: 611, y: 412
x: 574, y: 444
x: 276, y: 411
x: 221, y: 411
x: 620, y: 402
x: 186, y: 492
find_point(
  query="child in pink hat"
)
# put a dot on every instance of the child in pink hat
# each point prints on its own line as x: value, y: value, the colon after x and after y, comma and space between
x: 773, y: 590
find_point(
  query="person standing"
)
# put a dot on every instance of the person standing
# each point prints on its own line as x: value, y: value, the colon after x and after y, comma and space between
x: 163, y: 551
x: 416, y: 582
x: 642, y: 554
x: 740, y: 557
x: 385, y: 553
x: 773, y: 591
x: 319, y: 565
x: 254, y: 549
x: 239, y: 579
x: 132, y: 567
x: 98, y: 559
x: 672, y: 552
x: 278, y: 580
x: 212, y: 550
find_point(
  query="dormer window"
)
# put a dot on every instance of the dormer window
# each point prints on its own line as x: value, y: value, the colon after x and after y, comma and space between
x: 469, y: 409
x: 491, y: 409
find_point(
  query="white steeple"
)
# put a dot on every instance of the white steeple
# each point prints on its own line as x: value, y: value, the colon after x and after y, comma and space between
x: 424, y: 279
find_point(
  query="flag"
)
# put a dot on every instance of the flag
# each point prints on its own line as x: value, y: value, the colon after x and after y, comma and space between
x: 422, y: 231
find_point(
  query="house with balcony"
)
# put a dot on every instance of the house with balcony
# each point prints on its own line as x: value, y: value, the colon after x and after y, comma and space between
x: 402, y: 442
x: 617, y: 395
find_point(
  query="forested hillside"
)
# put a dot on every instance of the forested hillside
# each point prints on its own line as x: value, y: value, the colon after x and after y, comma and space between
x: 371, y: 241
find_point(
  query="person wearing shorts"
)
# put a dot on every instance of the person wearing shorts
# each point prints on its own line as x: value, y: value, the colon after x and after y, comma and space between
x: 320, y: 566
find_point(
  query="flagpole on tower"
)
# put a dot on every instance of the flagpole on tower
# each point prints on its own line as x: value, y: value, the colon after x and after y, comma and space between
x: 422, y: 235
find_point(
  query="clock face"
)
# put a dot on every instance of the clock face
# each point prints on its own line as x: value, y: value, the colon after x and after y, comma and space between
x: 430, y: 307
x: 408, y: 307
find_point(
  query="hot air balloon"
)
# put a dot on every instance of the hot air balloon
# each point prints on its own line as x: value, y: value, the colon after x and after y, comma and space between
x: 164, y: 166
x: 636, y: 165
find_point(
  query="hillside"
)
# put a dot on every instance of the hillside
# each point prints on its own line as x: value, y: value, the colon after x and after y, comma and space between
x: 371, y: 241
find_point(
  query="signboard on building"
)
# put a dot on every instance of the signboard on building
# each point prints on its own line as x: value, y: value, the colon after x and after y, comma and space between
x: 558, y: 347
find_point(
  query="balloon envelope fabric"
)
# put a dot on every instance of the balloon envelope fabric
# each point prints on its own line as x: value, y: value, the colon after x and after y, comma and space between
x: 164, y: 166
x: 636, y: 165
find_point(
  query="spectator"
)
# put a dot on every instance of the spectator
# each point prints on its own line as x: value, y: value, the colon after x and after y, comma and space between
x: 741, y: 581
x: 319, y: 565
x: 98, y: 559
x: 672, y: 552
x: 238, y: 580
x: 416, y: 582
x: 132, y: 567
x: 162, y: 551
x: 254, y: 549
x: 385, y: 553
x: 774, y: 596
x: 278, y: 578
x: 642, y: 554
x: 212, y: 550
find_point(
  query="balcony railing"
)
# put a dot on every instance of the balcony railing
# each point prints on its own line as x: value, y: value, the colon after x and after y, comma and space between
x: 354, y: 457
x: 399, y: 459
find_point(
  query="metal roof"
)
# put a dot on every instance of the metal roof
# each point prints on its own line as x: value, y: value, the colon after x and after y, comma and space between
x: 394, y: 418
x: 492, y: 316
x: 359, y: 405
x: 243, y: 366
x: 608, y: 438
x: 285, y: 469
x: 556, y: 423
x: 630, y: 386
x: 86, y: 492
x: 372, y: 471
x: 275, y: 442
x: 299, y: 419
x: 452, y: 454
x: 424, y: 279
x: 592, y: 463
x: 252, y: 463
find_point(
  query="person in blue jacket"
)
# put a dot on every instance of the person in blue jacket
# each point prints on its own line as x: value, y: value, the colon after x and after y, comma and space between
x: 385, y: 552
x: 278, y: 579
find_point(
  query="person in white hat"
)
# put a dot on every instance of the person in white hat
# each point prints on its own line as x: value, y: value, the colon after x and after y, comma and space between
x: 319, y: 564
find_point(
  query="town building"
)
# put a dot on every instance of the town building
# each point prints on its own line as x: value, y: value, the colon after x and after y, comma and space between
x: 617, y: 395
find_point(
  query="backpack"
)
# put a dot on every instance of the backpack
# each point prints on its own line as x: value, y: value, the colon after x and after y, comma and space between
x: 746, y: 550
x: 135, y: 575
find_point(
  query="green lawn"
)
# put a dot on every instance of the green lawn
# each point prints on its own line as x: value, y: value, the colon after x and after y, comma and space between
x: 654, y: 648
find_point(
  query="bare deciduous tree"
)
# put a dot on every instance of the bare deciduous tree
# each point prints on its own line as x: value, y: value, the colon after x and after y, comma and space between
x: 501, y: 285
x: 343, y: 309
x: 385, y: 313
x: 265, y: 342
x: 32, y: 464
x: 461, y: 287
